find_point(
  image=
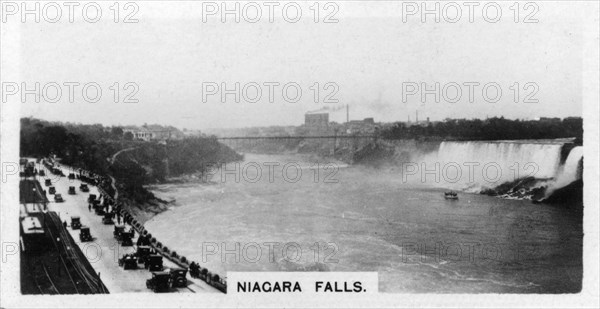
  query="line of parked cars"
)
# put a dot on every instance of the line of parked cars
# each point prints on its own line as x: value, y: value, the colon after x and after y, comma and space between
x: 162, y: 280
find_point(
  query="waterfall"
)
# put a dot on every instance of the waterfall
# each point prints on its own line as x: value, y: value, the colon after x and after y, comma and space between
x: 570, y: 171
x: 474, y: 166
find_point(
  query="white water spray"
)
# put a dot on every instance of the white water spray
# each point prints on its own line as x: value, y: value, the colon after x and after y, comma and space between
x: 490, y: 164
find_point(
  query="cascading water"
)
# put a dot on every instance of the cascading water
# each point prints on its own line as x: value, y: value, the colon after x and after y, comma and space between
x: 475, y: 166
x: 570, y: 171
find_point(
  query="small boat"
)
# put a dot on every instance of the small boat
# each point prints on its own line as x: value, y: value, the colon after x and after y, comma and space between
x: 451, y: 195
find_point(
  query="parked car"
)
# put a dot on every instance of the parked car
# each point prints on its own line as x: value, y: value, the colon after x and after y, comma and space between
x: 107, y: 218
x: 75, y: 222
x: 160, y: 281
x: 84, y: 234
x: 58, y: 198
x: 154, y: 262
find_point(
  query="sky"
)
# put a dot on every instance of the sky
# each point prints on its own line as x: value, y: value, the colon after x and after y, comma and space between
x: 368, y: 60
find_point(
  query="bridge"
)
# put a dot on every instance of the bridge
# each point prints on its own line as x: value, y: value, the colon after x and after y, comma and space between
x: 298, y: 137
x: 331, y: 142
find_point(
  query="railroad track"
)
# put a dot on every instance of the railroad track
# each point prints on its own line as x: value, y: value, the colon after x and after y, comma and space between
x: 91, y: 284
x: 58, y: 250
x: 41, y: 276
x: 53, y: 286
x: 42, y: 279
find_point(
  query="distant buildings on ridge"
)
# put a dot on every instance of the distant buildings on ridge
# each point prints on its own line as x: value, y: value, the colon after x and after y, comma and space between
x: 153, y: 132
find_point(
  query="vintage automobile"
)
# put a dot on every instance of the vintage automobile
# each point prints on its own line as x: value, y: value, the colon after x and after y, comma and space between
x: 98, y: 209
x: 42, y: 173
x: 126, y: 240
x: 107, y: 219
x: 84, y: 188
x: 118, y: 232
x: 91, y: 198
x: 84, y: 234
x: 217, y: 282
x: 52, y: 190
x: 72, y: 190
x: 142, y: 240
x: 75, y: 222
x: 48, y: 182
x: 58, y: 198
x: 154, y: 262
x: 142, y: 253
x: 178, y: 278
x: 71, y: 176
x: 128, y: 261
x: 160, y: 281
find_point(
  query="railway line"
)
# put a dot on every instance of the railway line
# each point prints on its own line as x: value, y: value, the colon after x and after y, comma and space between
x: 60, y: 269
x: 54, y: 289
x: 82, y: 280
x: 43, y: 281
x: 51, y: 262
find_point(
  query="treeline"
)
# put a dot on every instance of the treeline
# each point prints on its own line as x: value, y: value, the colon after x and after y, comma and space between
x: 177, y: 157
x: 85, y: 146
x: 92, y: 147
x: 489, y: 129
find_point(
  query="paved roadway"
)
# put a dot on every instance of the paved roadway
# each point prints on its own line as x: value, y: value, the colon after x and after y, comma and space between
x: 104, y: 252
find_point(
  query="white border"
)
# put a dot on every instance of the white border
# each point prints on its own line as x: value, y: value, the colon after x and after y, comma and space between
x: 11, y: 297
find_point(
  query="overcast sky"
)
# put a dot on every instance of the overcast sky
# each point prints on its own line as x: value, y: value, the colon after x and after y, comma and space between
x: 368, y: 54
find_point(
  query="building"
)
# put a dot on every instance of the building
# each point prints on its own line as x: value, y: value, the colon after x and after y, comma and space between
x: 365, y: 126
x: 139, y: 133
x: 316, y: 122
x: 153, y: 132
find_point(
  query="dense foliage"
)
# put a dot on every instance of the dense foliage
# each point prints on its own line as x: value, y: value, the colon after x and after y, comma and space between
x: 92, y: 147
x: 489, y: 129
x: 178, y: 157
x: 85, y: 146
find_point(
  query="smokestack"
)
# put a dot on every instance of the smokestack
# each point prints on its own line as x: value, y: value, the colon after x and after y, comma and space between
x: 347, y: 113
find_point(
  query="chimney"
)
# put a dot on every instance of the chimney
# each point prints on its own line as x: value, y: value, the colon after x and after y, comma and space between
x: 347, y: 113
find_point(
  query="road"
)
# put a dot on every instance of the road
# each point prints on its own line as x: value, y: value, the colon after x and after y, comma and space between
x: 104, y: 252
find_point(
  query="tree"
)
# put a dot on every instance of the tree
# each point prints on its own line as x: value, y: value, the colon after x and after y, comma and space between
x: 117, y: 132
x: 128, y: 136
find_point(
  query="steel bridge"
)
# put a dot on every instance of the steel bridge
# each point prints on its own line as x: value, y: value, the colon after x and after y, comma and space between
x: 330, y: 142
x: 298, y: 137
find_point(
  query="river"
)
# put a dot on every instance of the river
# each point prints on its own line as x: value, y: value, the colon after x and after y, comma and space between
x: 366, y: 219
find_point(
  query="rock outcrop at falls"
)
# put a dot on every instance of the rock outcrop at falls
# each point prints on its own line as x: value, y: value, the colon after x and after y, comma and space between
x: 571, y: 194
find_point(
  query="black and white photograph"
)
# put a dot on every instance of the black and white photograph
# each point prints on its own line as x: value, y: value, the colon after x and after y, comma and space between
x: 391, y: 154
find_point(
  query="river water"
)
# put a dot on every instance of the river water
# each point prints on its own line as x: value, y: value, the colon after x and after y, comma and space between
x: 366, y: 219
